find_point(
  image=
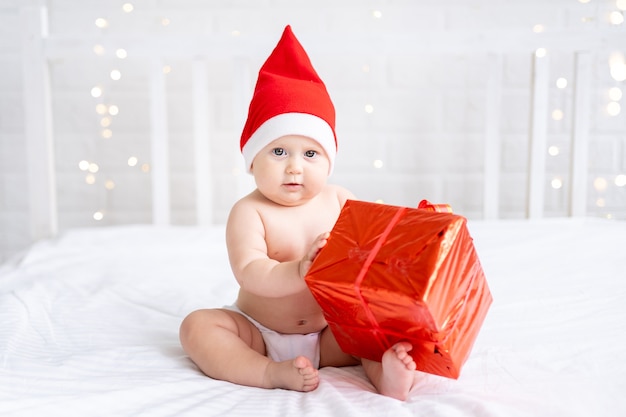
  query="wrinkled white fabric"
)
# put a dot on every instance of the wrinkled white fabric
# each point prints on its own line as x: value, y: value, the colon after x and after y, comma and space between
x: 89, y: 327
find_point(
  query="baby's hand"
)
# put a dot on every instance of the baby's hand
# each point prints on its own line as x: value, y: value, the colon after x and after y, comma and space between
x: 309, y: 257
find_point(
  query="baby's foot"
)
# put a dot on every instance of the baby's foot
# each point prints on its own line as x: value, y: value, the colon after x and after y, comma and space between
x: 397, y: 371
x: 297, y: 375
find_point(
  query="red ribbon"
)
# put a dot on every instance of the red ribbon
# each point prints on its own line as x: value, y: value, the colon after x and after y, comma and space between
x: 366, y: 265
x: 440, y: 208
x: 380, y: 335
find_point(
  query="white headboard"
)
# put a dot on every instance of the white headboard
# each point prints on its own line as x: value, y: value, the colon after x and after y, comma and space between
x: 39, y: 48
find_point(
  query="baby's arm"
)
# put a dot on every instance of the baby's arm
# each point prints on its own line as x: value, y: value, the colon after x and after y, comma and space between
x: 254, y: 270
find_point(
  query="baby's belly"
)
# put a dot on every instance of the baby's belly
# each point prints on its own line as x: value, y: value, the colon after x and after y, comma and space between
x: 295, y: 314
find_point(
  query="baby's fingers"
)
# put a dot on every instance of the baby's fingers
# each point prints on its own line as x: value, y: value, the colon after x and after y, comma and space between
x: 321, y: 240
x: 310, y: 256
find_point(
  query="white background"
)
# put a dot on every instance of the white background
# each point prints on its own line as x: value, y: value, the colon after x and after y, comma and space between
x: 409, y: 80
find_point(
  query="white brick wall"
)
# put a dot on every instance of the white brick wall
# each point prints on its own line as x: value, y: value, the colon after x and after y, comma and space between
x: 422, y: 67
x: 14, y: 233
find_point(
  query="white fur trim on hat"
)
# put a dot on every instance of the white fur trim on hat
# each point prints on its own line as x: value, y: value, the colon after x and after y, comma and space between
x: 291, y: 124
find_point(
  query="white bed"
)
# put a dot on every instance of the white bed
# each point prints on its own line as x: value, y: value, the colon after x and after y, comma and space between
x: 89, y: 326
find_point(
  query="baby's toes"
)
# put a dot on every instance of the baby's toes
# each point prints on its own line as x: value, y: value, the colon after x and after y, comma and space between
x: 409, y: 362
x: 308, y: 373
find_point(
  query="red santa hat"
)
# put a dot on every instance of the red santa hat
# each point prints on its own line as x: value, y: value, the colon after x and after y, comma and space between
x: 289, y: 99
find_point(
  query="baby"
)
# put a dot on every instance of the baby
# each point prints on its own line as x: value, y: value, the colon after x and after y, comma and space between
x: 275, y: 335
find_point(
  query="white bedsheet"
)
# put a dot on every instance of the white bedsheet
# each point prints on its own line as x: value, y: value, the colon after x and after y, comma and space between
x: 89, y: 327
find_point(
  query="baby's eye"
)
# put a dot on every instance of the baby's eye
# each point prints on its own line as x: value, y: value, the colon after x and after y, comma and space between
x: 310, y: 154
x: 278, y: 151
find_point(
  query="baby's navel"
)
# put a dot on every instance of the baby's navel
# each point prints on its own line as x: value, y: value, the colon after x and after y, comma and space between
x: 302, y: 322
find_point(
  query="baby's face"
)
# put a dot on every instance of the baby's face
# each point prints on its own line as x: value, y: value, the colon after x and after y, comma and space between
x: 291, y: 170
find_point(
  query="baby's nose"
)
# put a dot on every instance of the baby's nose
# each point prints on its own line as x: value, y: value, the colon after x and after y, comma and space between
x: 294, y: 166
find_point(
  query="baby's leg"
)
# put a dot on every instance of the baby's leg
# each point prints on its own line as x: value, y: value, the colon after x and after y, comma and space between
x: 226, y: 346
x: 331, y: 354
x: 395, y: 374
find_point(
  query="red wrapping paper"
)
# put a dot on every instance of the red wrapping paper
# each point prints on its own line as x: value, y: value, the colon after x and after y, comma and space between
x: 390, y: 274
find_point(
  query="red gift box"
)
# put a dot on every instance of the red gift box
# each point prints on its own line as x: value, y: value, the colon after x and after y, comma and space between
x: 390, y: 274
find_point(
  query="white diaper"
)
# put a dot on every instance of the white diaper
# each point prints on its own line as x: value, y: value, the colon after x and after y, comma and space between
x: 281, y: 347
